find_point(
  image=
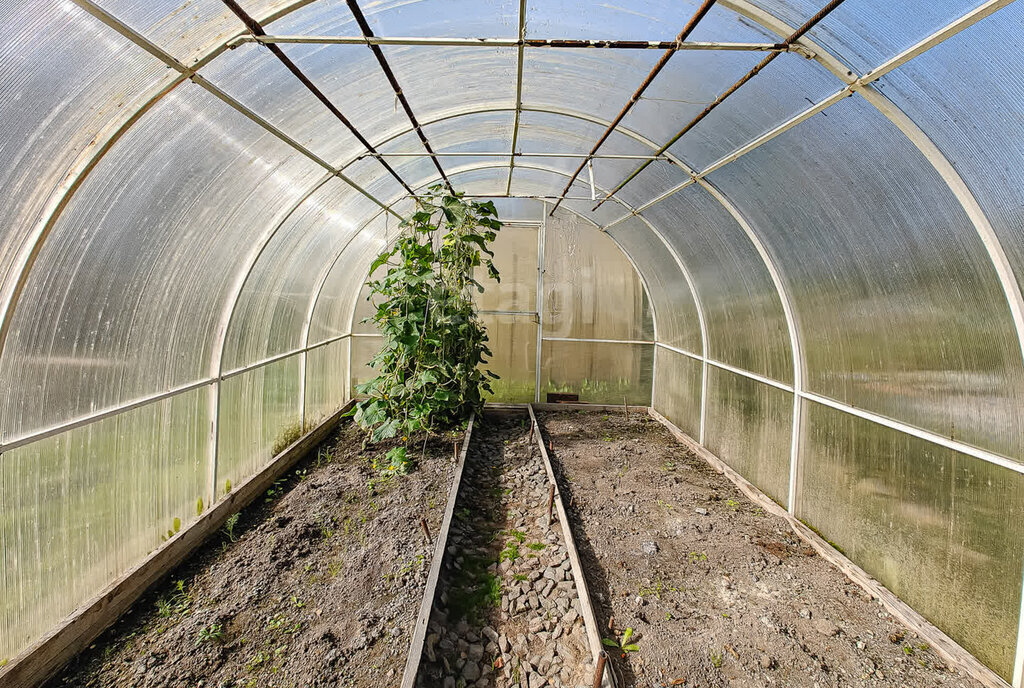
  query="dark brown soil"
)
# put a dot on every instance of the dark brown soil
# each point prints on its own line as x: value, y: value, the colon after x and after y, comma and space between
x: 321, y: 586
x: 717, y: 592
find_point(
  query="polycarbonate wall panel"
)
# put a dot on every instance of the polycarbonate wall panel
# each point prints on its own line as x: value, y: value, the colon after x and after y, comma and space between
x: 274, y: 304
x: 940, y: 529
x: 600, y: 373
x: 65, y: 78
x: 127, y: 296
x: 364, y: 348
x: 185, y: 28
x: 677, y: 389
x: 327, y: 380
x: 259, y: 417
x: 941, y: 91
x: 745, y: 321
x: 460, y: 18
x: 865, y: 34
x: 591, y: 290
x: 900, y: 309
x: 512, y: 340
x: 82, y: 507
x: 260, y: 81
x: 675, y: 312
x: 749, y: 426
x: 344, y: 287
x: 515, y: 257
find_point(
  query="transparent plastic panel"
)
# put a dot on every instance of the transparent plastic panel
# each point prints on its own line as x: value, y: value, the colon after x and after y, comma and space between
x: 788, y: 86
x: 597, y: 82
x: 440, y: 81
x: 512, y: 340
x: 259, y: 418
x: 864, y: 34
x: 515, y: 257
x: 941, y: 90
x: 343, y: 289
x: 940, y: 529
x: 187, y: 29
x: 364, y: 348
x: 746, y: 324
x: 327, y: 380
x: 83, y: 507
x: 599, y: 373
x: 750, y: 427
x: 675, y: 313
x: 545, y: 132
x: 273, y: 306
x: 258, y: 79
x: 458, y: 19
x: 591, y: 290
x: 640, y: 20
x: 677, y: 390
x: 900, y: 308
x: 66, y: 78
x: 127, y: 296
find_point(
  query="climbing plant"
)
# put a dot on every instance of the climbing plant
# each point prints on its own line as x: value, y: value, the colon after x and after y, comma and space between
x: 429, y: 374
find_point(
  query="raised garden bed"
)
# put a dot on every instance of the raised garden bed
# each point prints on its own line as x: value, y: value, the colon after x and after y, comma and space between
x: 316, y: 584
x: 508, y: 611
x: 717, y: 592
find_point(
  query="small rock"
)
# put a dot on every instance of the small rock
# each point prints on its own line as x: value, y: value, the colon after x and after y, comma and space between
x: 701, y: 510
x: 649, y: 548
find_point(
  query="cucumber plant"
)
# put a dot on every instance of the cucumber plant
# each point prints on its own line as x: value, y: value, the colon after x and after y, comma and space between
x: 429, y: 369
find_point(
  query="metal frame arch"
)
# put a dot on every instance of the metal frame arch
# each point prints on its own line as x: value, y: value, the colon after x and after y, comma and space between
x: 90, y: 157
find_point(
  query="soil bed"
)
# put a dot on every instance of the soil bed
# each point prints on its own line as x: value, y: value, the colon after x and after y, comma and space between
x: 717, y: 592
x: 507, y: 612
x: 318, y: 584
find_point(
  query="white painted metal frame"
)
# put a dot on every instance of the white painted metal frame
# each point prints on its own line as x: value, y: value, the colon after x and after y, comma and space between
x: 555, y: 43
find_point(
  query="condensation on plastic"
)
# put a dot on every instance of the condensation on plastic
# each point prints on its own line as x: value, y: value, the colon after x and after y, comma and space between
x: 126, y: 297
x: 746, y: 324
x: 749, y: 426
x: 675, y: 313
x: 677, y: 389
x: 899, y: 306
x: 600, y: 373
x: 260, y: 416
x: 941, y: 91
x: 327, y: 378
x: 900, y: 506
x: 66, y: 78
x: 82, y: 507
x: 591, y: 290
x: 512, y: 340
x: 865, y: 34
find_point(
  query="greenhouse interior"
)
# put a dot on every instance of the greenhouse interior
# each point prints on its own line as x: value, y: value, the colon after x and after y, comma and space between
x: 783, y: 237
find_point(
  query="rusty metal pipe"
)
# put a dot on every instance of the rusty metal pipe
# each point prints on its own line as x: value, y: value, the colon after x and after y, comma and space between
x: 690, y: 26
x: 364, y: 26
x: 795, y: 36
x: 551, y: 501
x: 599, y: 671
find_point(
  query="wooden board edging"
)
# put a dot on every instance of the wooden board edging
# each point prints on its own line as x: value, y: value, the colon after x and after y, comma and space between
x: 419, y: 634
x: 586, y: 607
x: 946, y: 647
x: 50, y: 653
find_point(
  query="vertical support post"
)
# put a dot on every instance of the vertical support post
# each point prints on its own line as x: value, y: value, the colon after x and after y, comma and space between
x: 539, y: 302
x: 213, y: 393
x: 1018, y: 660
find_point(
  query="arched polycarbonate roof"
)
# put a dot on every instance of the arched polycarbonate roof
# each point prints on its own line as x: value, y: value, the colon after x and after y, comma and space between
x: 191, y: 192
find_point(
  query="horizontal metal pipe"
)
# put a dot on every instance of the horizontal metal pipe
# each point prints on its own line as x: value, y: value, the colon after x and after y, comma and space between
x: 519, y: 154
x: 601, y: 44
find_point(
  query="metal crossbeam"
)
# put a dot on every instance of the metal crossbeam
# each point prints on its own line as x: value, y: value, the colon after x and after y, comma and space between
x: 364, y: 26
x: 522, y: 42
x: 687, y: 30
x: 519, y: 97
x: 257, y: 30
x: 790, y: 40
